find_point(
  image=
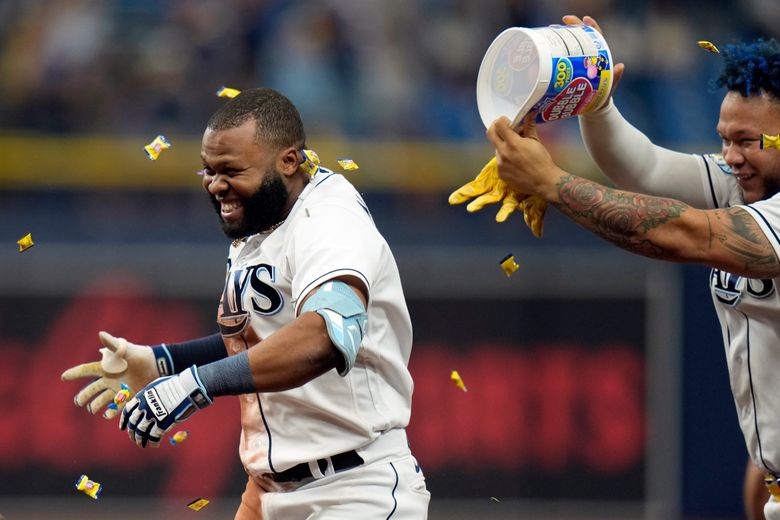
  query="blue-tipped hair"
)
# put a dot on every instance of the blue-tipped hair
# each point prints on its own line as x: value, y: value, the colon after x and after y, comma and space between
x: 750, y: 68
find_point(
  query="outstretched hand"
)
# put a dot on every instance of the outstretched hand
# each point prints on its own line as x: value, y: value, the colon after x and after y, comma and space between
x: 617, y: 68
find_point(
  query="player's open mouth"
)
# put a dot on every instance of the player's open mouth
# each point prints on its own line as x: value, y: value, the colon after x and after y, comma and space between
x: 230, y: 210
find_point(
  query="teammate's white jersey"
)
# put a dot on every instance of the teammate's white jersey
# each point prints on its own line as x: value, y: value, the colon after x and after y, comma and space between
x: 749, y: 314
x: 328, y: 233
x: 748, y: 310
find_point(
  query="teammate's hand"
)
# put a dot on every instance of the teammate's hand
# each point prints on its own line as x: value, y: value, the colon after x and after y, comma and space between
x: 523, y: 162
x: 123, y: 362
x: 165, y: 402
x: 617, y: 68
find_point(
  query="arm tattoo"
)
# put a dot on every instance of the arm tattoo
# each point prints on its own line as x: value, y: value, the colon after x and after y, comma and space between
x: 625, y: 219
x: 619, y: 217
x: 742, y: 237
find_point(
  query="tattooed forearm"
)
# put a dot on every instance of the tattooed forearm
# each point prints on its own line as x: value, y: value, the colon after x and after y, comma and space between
x: 741, y: 235
x: 625, y: 219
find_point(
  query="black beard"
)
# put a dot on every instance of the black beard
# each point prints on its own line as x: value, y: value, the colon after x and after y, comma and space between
x: 261, y: 211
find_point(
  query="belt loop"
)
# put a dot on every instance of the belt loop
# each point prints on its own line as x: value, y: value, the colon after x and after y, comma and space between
x: 314, y: 467
x: 329, y: 468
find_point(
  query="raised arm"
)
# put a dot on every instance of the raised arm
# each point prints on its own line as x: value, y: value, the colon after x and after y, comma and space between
x: 628, y: 157
x: 656, y: 227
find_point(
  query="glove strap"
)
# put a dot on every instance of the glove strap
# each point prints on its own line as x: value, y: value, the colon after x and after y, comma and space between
x: 191, y: 383
x: 163, y: 360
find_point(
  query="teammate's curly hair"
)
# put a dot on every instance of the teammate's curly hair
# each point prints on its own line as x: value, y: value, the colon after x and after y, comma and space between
x: 278, y: 121
x: 750, y: 68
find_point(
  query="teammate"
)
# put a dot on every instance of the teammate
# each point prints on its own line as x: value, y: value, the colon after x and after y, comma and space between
x: 737, y: 231
x: 314, y: 335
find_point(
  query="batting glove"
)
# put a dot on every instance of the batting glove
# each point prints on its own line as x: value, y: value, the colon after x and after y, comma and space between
x: 165, y: 402
x: 122, y: 362
x: 488, y: 188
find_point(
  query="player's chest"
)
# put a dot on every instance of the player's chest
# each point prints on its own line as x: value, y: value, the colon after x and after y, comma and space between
x: 255, y: 291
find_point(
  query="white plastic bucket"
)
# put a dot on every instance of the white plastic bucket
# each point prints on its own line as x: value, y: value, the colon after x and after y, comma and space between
x: 559, y: 71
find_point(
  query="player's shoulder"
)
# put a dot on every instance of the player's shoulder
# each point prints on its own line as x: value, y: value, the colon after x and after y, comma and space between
x: 716, y: 160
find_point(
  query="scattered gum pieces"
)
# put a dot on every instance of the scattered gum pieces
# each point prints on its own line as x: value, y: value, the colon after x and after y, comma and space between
x: 155, y: 148
x: 708, y: 46
x: 198, y: 504
x: 509, y: 265
x: 458, y: 380
x: 227, y: 92
x: 770, y: 141
x: 89, y: 487
x: 25, y: 243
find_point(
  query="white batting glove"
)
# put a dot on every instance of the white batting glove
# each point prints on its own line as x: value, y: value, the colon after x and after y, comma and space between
x: 162, y: 404
x: 123, y: 362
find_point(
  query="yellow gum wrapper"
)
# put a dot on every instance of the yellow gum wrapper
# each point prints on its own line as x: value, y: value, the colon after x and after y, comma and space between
x: 770, y: 141
x: 311, y: 162
x: 347, y: 164
x: 227, y: 92
x: 509, y: 265
x: 25, y: 243
x: 708, y: 46
x: 455, y: 377
x: 89, y: 487
x: 198, y: 504
x: 155, y: 148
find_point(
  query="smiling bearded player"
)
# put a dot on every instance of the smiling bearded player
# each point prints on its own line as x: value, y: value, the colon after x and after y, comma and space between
x: 314, y: 335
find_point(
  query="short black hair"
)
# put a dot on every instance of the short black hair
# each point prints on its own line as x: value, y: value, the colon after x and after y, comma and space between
x: 278, y: 121
x: 751, y: 68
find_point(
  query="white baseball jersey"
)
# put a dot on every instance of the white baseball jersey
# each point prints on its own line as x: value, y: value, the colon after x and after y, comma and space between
x: 328, y: 233
x: 749, y: 315
x: 748, y: 309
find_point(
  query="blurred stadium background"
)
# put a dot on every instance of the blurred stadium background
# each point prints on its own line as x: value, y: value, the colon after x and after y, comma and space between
x: 597, y: 384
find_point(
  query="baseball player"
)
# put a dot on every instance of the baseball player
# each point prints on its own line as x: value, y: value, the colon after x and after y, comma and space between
x: 315, y: 335
x: 737, y: 231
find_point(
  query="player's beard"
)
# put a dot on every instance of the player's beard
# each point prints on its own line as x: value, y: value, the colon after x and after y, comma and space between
x: 262, y: 210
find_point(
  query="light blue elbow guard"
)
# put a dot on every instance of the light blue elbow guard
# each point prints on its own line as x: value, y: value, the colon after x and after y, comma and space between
x: 345, y: 317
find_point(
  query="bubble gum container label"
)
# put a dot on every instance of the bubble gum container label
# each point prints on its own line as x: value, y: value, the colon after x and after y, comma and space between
x: 559, y: 71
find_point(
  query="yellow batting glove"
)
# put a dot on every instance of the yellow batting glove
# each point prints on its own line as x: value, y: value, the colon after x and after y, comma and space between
x: 483, y: 183
x: 488, y: 188
x: 508, y: 206
x: 533, y: 210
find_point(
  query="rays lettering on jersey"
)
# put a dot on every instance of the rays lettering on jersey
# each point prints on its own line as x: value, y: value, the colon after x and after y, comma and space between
x: 728, y: 288
x: 265, y: 298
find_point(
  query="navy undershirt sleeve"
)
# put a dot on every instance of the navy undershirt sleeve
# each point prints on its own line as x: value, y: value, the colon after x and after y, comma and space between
x: 172, y: 358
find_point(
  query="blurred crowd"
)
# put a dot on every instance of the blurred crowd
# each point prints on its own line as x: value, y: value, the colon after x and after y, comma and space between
x: 355, y: 68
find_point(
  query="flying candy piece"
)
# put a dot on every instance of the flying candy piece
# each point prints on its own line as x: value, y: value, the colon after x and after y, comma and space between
x: 198, y: 504
x: 347, y: 164
x: 708, y: 46
x: 154, y: 148
x: 89, y: 487
x: 25, y: 242
x: 769, y: 141
x: 311, y: 162
x: 178, y: 437
x: 494, y: 499
x: 201, y: 172
x: 458, y: 381
x: 227, y: 92
x: 121, y: 396
x: 509, y: 265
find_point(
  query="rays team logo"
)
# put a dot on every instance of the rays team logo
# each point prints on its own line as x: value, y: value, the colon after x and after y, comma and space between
x: 248, y: 289
x: 729, y: 288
